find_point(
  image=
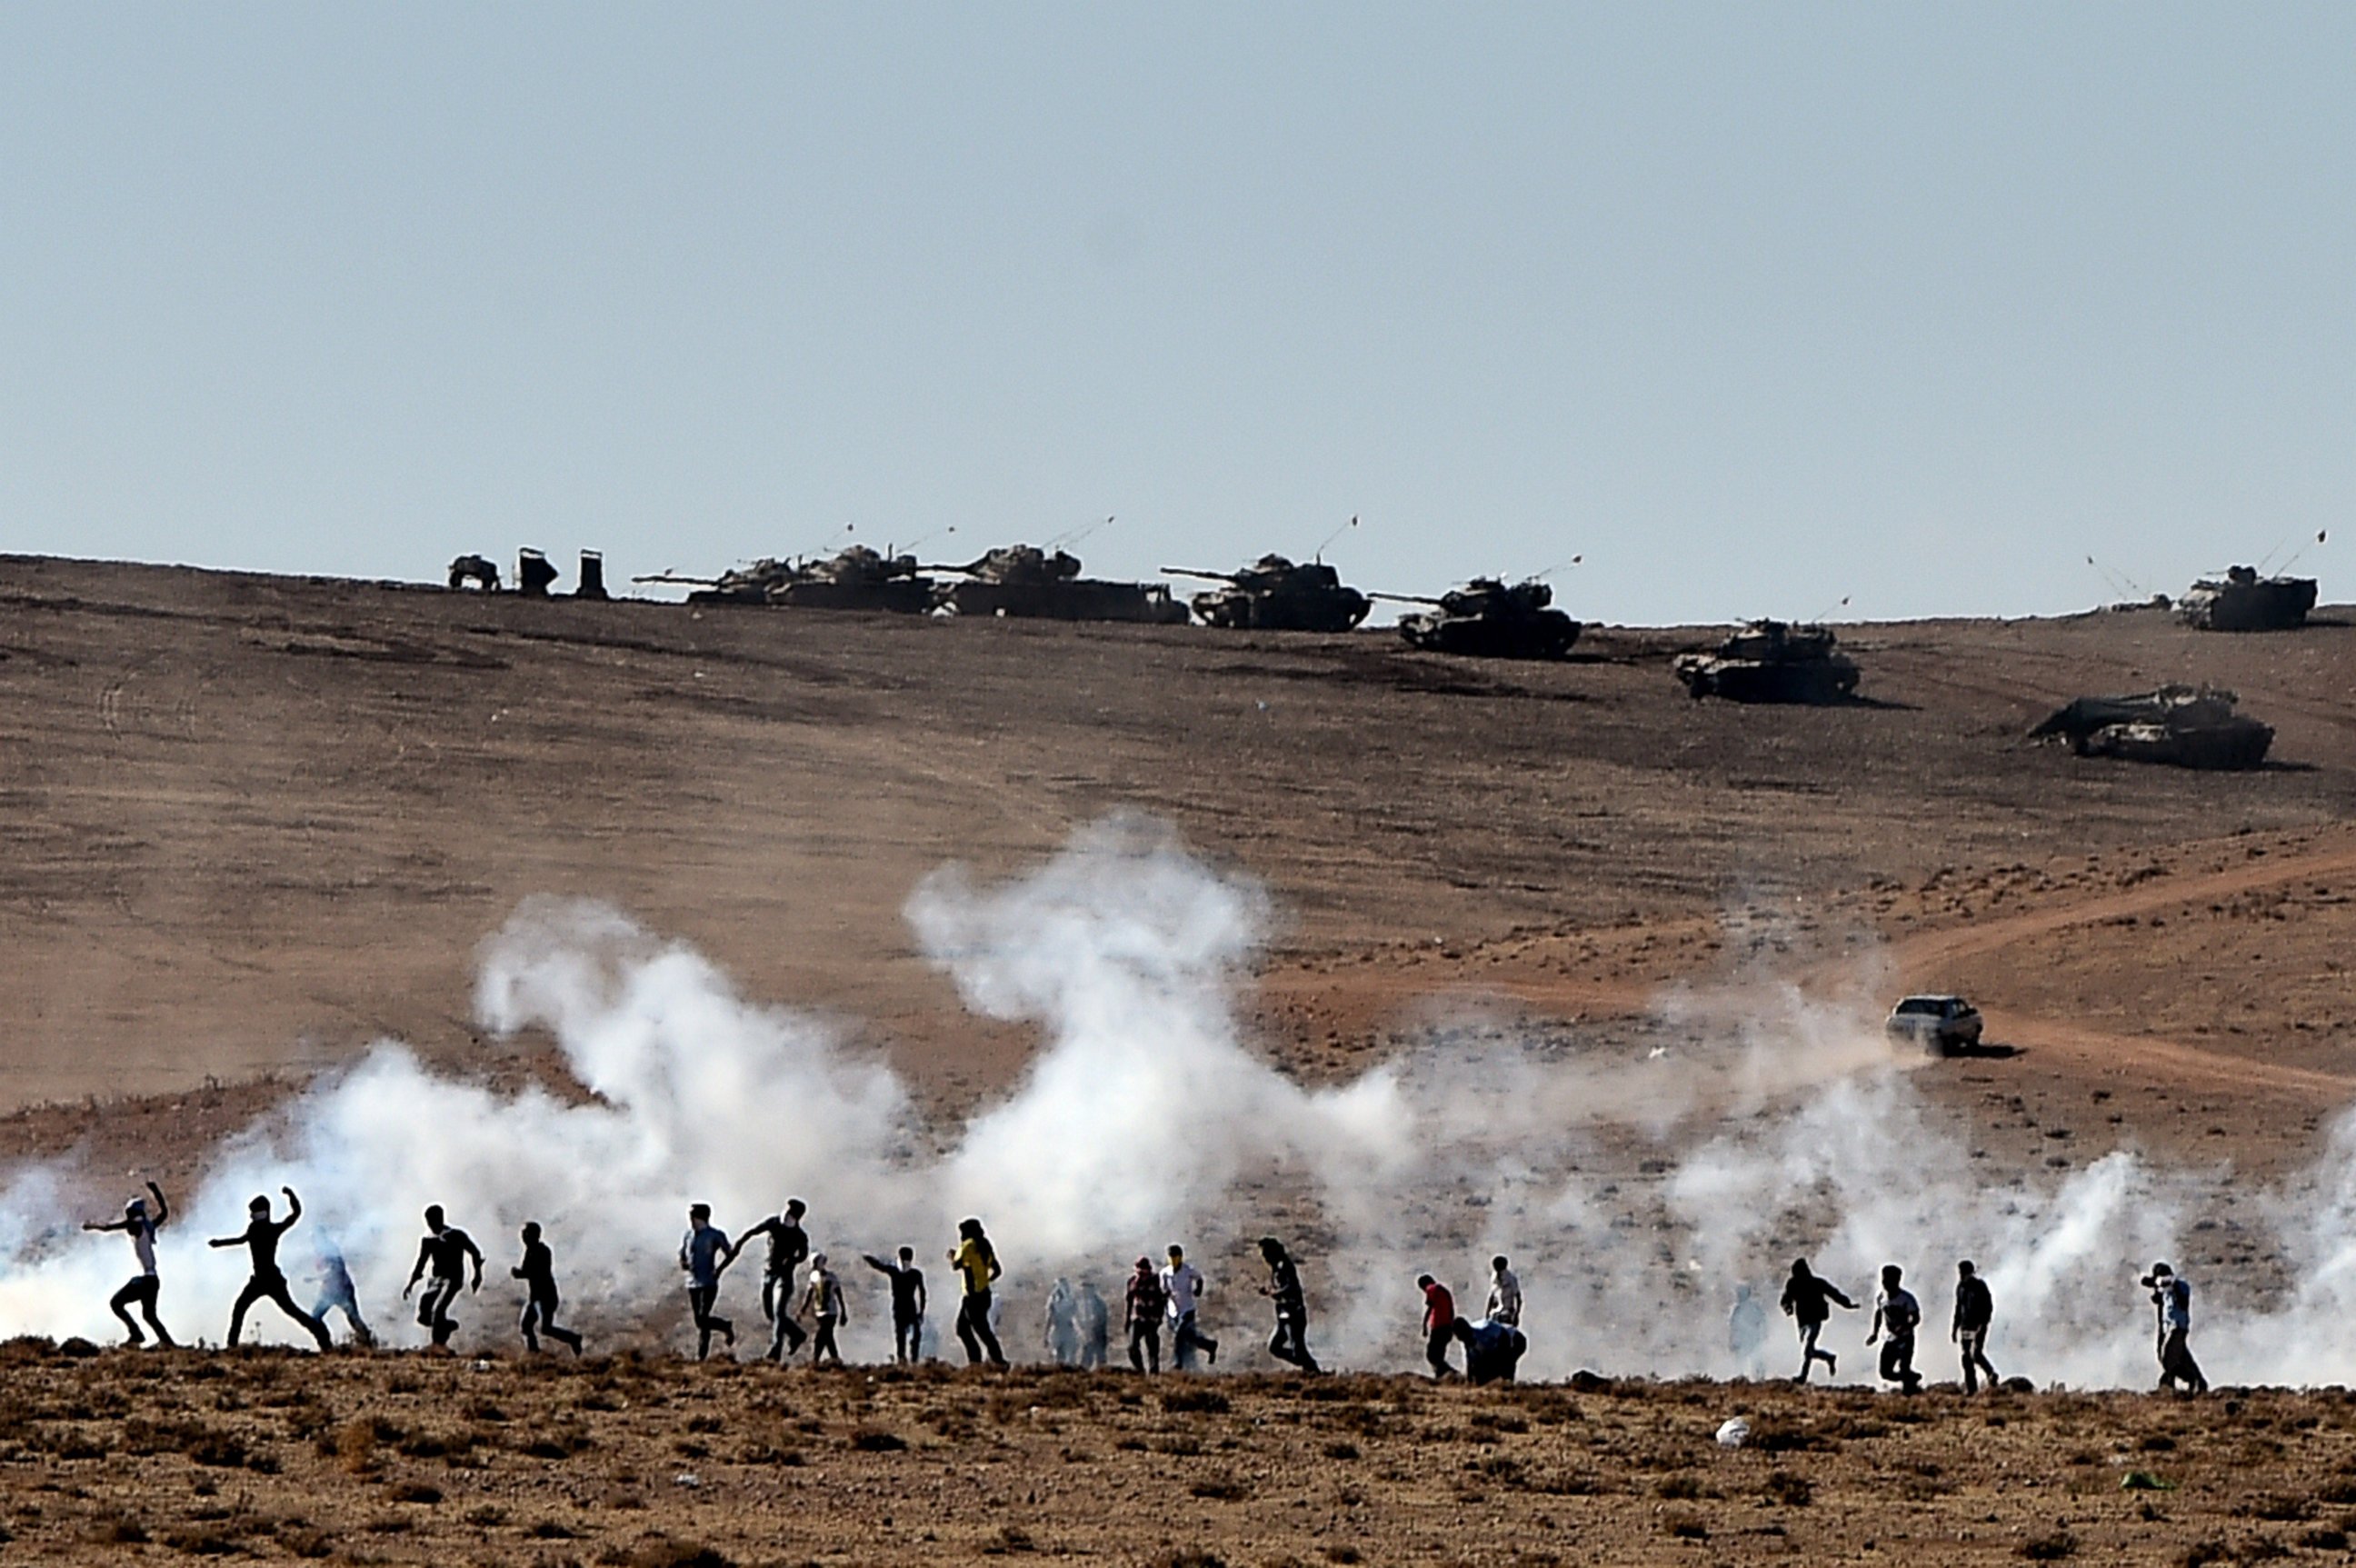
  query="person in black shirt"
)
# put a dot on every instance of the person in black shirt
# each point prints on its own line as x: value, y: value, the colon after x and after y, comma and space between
x: 907, y: 1302
x: 1290, y: 1340
x: 1975, y: 1310
x: 538, y: 1271
x: 447, y: 1249
x: 1805, y: 1299
x: 261, y: 1235
x: 788, y: 1249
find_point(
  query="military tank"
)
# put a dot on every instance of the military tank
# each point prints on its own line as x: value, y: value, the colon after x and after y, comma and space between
x: 1771, y: 662
x: 858, y: 578
x: 1273, y: 594
x: 2187, y: 726
x: 1023, y: 580
x: 2243, y: 601
x: 1487, y: 618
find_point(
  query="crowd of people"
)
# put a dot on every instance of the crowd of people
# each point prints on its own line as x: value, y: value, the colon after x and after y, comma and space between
x: 1077, y: 1323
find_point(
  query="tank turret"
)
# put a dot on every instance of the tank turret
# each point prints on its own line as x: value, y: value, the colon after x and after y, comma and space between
x: 1024, y: 581
x: 1489, y: 618
x: 1273, y: 594
x: 1771, y: 662
x: 2188, y: 726
x: 2243, y: 601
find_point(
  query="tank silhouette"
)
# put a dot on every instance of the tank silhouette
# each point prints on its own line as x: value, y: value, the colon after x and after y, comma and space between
x: 2243, y: 601
x: 1026, y: 581
x: 1272, y: 594
x: 479, y: 570
x: 1771, y: 662
x: 1487, y: 618
x: 2188, y: 726
x: 858, y: 578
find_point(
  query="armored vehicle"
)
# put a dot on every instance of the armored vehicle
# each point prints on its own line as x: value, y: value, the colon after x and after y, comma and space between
x: 475, y: 569
x: 1024, y: 580
x: 1274, y: 594
x: 751, y: 585
x: 2189, y: 726
x: 2243, y: 601
x: 1488, y: 619
x: 857, y: 579
x: 1771, y: 662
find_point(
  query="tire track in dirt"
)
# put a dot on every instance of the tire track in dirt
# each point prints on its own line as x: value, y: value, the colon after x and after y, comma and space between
x: 1917, y: 953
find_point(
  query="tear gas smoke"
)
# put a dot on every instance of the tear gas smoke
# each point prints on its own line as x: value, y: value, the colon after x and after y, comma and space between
x: 1634, y: 1188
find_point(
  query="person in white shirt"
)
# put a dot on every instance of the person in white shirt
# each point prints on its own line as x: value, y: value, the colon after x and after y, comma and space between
x: 1184, y: 1283
x: 828, y: 1311
x: 1896, y: 1314
x: 141, y: 1226
x: 1505, y: 1293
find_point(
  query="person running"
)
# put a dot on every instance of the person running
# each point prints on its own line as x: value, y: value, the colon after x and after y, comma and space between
x: 976, y: 1262
x: 1096, y: 1328
x: 2172, y: 1300
x: 337, y: 1293
x: 1746, y: 1332
x: 1184, y: 1283
x: 538, y: 1271
x: 1290, y: 1343
x: 704, y: 1255
x: 1975, y: 1310
x: 1505, y: 1293
x: 445, y: 1250
x: 827, y: 1309
x: 260, y: 1237
x: 1808, y: 1302
x: 789, y: 1246
x: 1493, y: 1349
x: 1146, y: 1302
x: 1896, y: 1315
x: 1062, y: 1332
x: 140, y: 1224
x: 1439, y: 1324
x: 907, y: 1303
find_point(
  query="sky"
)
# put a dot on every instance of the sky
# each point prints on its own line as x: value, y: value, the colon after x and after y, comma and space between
x: 1755, y: 309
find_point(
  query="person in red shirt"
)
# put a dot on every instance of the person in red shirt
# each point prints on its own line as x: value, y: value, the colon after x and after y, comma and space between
x: 1439, y: 1324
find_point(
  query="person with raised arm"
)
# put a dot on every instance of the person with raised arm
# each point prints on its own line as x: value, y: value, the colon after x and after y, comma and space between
x: 140, y: 1223
x: 261, y: 1237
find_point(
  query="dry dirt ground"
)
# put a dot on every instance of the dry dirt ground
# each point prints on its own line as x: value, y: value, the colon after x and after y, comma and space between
x: 253, y: 823
x: 409, y: 1459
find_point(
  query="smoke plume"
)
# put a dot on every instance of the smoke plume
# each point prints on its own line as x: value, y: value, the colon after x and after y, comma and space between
x: 1634, y: 1186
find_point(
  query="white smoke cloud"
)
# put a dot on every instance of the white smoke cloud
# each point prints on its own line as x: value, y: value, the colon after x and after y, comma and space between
x: 1634, y: 1184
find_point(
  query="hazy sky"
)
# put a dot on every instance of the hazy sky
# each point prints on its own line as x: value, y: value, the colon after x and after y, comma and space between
x: 1753, y: 306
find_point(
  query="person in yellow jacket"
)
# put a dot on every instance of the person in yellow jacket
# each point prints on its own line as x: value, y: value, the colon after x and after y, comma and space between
x: 977, y: 1267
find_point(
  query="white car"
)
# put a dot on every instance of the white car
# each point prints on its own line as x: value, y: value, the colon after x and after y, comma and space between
x: 1943, y: 1025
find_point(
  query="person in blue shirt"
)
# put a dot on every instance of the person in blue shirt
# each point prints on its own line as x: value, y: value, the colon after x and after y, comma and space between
x: 704, y: 1254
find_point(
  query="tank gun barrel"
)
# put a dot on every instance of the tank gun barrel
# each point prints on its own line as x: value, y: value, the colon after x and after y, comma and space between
x: 1403, y: 598
x: 966, y: 570
x: 674, y: 577
x: 1191, y: 572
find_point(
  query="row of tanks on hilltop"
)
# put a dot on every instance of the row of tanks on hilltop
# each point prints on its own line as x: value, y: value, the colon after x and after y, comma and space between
x: 1763, y: 662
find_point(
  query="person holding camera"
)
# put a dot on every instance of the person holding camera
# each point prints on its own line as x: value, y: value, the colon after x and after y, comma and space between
x: 2171, y: 1302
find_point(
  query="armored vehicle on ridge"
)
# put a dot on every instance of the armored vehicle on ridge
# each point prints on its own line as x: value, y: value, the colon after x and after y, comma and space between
x: 2188, y: 726
x: 1771, y: 662
x: 2243, y: 601
x: 1488, y: 619
x: 1024, y: 580
x: 1272, y: 594
x: 858, y: 578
